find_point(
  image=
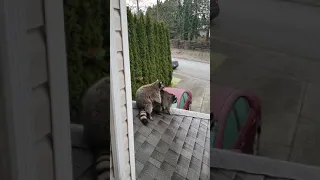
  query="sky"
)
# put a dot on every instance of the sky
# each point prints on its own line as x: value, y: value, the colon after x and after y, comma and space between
x: 142, y: 3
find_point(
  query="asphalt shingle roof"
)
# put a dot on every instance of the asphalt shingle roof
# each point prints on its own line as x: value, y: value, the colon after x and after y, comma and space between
x: 172, y: 146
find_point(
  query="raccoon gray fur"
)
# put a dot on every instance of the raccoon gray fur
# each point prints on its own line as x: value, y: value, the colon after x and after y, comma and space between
x: 146, y: 95
x: 167, y: 99
x: 95, y: 114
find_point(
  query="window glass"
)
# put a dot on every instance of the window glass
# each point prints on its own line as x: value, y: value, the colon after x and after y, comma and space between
x: 241, y: 109
x: 185, y: 95
x: 234, y: 122
x: 182, y: 102
x: 174, y: 105
x: 213, y: 132
x: 230, y: 132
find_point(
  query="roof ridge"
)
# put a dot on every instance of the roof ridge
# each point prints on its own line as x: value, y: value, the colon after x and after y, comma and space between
x: 228, y: 160
x: 182, y: 112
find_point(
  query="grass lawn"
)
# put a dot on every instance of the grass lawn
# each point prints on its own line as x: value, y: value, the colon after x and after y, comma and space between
x: 174, y: 82
x: 216, y: 60
x: 191, y: 54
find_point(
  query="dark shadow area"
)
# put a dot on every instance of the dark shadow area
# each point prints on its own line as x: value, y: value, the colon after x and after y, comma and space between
x: 274, y: 56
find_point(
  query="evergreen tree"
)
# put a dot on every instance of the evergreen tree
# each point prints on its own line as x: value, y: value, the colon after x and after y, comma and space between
x: 157, y: 52
x: 85, y: 25
x: 162, y: 48
x: 169, y: 58
x: 150, y: 37
x: 143, y: 46
x: 133, y: 53
x: 187, y: 16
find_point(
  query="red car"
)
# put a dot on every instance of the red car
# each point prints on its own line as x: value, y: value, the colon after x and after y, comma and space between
x: 235, y: 120
x: 184, y: 98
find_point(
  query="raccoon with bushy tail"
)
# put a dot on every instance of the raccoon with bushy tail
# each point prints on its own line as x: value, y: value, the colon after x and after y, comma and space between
x: 146, y: 95
x: 95, y: 114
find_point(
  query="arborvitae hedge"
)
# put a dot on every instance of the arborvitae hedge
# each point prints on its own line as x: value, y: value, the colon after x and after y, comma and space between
x: 150, y: 55
x: 87, y: 25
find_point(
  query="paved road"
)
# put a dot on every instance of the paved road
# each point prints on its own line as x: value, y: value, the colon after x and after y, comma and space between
x: 273, y: 24
x: 195, y: 76
x: 195, y: 69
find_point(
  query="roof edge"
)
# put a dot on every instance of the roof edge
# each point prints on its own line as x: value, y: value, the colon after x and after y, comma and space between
x: 223, y: 159
x: 183, y: 112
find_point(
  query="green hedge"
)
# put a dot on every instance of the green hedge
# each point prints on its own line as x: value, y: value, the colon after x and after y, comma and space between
x: 87, y: 27
x: 150, y: 54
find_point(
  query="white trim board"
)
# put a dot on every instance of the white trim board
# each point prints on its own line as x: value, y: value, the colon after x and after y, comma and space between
x: 115, y: 117
x: 16, y: 113
x: 228, y: 160
x: 127, y: 74
x: 59, y: 93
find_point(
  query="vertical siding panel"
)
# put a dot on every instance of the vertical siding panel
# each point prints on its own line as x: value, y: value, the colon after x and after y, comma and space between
x: 123, y: 76
x: 129, y: 115
x: 118, y: 99
x: 120, y: 61
x: 16, y: 116
x: 40, y: 93
x: 41, y: 110
x: 35, y: 16
x: 37, y: 54
x: 45, y: 160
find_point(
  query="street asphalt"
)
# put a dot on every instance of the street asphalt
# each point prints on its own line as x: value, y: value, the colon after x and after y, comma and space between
x: 195, y: 77
x: 273, y: 24
x: 272, y: 49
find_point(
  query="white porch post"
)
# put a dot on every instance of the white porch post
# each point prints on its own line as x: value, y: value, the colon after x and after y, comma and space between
x: 115, y: 117
x: 127, y: 73
x: 58, y: 83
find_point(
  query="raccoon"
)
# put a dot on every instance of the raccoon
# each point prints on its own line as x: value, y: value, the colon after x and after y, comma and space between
x: 167, y: 99
x: 95, y: 114
x: 146, y: 95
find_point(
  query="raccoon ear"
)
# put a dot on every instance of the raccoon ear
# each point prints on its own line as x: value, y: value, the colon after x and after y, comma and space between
x: 156, y: 82
x: 160, y: 85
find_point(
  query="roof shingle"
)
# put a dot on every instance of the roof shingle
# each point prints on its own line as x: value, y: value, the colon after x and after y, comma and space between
x: 173, y: 146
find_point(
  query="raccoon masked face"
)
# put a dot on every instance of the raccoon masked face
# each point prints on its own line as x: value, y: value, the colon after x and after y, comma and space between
x: 174, y: 99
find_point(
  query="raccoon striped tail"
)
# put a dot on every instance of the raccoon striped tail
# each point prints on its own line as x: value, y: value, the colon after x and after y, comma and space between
x: 143, y: 117
x: 103, y: 166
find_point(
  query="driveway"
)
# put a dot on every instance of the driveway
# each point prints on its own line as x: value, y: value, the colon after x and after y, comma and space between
x: 195, y: 76
x: 276, y: 56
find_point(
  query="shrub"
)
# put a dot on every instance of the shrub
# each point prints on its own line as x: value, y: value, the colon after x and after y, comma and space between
x: 150, y: 54
x: 86, y: 22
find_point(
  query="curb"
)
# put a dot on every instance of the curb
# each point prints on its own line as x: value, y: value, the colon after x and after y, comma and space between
x: 192, y: 60
x: 312, y: 4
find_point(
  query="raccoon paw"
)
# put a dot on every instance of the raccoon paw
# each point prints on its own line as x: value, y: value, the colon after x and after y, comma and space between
x: 151, y: 119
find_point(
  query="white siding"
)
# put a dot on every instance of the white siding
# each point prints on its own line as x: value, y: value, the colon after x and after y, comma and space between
x: 118, y: 10
x: 36, y: 50
x: 32, y: 55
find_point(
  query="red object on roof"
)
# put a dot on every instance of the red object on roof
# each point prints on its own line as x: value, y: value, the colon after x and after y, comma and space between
x: 222, y: 102
x: 179, y: 93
